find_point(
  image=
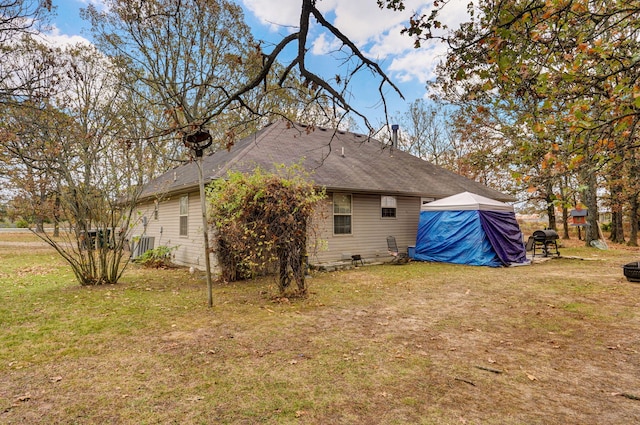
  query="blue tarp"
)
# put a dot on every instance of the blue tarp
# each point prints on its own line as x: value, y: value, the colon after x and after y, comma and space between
x: 474, y: 237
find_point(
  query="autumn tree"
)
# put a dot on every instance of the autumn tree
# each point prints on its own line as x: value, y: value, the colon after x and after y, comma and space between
x: 575, y: 60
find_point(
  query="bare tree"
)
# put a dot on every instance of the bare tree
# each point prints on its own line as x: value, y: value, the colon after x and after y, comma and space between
x: 72, y: 133
x: 424, y: 132
x: 18, y: 18
x: 198, y: 59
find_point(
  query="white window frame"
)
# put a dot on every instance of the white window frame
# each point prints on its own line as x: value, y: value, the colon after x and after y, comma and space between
x: 183, y: 224
x: 388, y: 205
x: 343, y: 213
x: 425, y: 201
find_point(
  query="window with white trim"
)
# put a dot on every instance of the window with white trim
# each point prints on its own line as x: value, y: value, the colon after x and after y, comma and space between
x: 342, y: 214
x: 388, y: 206
x: 184, y: 215
x: 425, y: 201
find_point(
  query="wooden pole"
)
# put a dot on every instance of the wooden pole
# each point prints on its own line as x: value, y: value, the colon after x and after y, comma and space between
x: 205, y: 232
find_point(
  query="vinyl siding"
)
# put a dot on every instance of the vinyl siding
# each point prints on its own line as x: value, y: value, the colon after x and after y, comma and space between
x: 368, y: 237
x: 166, y: 230
x: 369, y: 233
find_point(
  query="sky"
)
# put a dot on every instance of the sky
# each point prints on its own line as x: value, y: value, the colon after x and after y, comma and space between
x: 376, y: 32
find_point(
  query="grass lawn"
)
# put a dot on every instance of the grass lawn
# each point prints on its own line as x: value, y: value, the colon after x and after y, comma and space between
x: 557, y: 342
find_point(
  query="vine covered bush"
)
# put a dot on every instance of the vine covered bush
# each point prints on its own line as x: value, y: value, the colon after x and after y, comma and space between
x: 262, y: 222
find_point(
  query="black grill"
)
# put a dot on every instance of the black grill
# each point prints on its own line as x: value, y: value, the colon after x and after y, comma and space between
x: 546, y: 241
x: 632, y: 271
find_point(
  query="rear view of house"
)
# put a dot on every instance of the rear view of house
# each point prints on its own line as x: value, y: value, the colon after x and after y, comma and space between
x: 373, y: 191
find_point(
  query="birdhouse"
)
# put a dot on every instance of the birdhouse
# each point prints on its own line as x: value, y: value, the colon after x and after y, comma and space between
x: 579, y: 217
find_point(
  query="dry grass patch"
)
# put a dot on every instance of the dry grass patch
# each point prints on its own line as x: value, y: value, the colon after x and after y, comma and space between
x: 553, y: 343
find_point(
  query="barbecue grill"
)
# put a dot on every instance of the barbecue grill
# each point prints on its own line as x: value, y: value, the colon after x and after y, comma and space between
x: 547, y: 241
x: 632, y: 271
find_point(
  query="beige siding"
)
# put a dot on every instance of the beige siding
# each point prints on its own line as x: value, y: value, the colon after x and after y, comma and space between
x: 369, y: 229
x: 166, y: 230
x: 368, y: 238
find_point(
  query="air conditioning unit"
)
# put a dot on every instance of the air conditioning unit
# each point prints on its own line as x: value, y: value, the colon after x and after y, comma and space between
x: 144, y: 244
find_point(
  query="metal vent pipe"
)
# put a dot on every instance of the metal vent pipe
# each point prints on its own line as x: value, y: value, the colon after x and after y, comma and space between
x: 395, y: 128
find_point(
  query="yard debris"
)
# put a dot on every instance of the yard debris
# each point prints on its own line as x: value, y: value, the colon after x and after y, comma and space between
x: 488, y: 369
x: 465, y: 381
x: 531, y: 377
x: 55, y: 379
x: 627, y: 395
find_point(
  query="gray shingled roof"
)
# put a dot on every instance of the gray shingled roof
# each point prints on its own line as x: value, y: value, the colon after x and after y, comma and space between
x: 338, y: 160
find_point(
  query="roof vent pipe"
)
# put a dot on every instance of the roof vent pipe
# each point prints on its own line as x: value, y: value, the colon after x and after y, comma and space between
x: 395, y: 128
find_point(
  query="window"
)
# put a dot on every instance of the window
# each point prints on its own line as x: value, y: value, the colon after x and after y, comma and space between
x: 184, y: 215
x: 388, y: 205
x: 341, y: 214
x: 425, y: 201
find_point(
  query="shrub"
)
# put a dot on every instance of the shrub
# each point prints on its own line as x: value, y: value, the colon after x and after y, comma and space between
x: 157, y: 258
x: 262, y: 222
x: 22, y: 224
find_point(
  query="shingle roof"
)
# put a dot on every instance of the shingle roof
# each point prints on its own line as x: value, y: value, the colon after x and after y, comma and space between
x: 338, y: 160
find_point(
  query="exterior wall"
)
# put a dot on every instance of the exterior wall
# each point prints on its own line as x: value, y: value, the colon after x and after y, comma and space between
x: 166, y: 230
x: 368, y: 237
x: 369, y: 233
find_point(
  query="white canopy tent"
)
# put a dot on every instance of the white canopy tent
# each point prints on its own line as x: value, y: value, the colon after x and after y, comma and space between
x: 466, y: 201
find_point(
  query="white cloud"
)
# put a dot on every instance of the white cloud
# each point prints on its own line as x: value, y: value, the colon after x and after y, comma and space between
x: 376, y: 31
x: 286, y: 13
x: 390, y: 43
x: 100, y: 4
x: 322, y: 46
x: 361, y: 20
x: 56, y: 38
x: 418, y: 65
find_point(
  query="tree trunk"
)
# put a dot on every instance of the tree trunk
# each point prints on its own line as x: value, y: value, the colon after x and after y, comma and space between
x: 565, y: 207
x: 633, y: 216
x: 565, y: 222
x: 617, y: 231
x: 590, y: 200
x: 56, y: 217
x: 551, y: 210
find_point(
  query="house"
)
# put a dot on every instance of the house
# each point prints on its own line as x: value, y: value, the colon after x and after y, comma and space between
x: 373, y: 191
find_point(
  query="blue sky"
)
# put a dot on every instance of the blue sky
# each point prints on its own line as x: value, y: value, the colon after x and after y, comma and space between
x: 375, y: 31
